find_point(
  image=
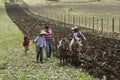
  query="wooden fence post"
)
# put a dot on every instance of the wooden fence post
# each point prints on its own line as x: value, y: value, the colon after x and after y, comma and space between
x: 113, y: 24
x: 89, y: 22
x: 102, y: 25
x: 55, y: 16
x: 47, y: 15
x: 58, y: 17
x: 93, y: 23
x: 73, y: 20
x: 64, y: 19
x: 61, y: 17
x: 50, y: 14
x: 119, y: 25
x: 107, y: 24
x: 85, y: 21
x: 79, y: 21
x: 68, y: 18
x: 76, y: 21
x: 97, y: 23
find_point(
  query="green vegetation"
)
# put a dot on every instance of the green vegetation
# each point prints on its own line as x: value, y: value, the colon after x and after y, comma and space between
x: 15, y: 65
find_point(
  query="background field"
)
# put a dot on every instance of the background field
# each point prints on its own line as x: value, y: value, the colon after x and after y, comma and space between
x: 106, y: 10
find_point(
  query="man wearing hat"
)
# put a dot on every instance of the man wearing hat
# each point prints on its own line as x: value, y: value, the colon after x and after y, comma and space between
x: 40, y: 43
x: 77, y: 33
x: 48, y: 37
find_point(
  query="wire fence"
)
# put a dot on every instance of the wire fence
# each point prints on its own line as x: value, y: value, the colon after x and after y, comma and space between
x: 102, y: 24
x: 108, y: 24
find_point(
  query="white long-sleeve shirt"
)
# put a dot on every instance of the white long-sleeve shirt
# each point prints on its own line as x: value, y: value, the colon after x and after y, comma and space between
x: 79, y: 34
x: 40, y: 41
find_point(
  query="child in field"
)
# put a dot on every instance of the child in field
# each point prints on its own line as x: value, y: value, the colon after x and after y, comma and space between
x: 40, y: 43
x: 26, y: 43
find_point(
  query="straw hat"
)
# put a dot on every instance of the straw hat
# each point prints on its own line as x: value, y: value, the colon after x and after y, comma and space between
x: 74, y: 28
x: 42, y: 32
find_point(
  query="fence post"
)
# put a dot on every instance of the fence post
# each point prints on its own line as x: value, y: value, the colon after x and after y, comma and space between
x: 119, y: 25
x: 64, y: 19
x: 89, y: 22
x: 61, y: 17
x: 50, y: 14
x: 79, y: 21
x: 102, y: 25
x: 47, y: 15
x: 82, y: 21
x: 68, y: 18
x: 107, y: 24
x: 97, y: 23
x: 55, y: 16
x: 93, y: 23
x: 85, y: 21
x: 113, y: 24
x: 58, y: 17
x: 73, y: 20
x: 76, y: 19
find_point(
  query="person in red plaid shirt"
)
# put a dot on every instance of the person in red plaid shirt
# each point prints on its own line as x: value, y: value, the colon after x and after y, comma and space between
x: 48, y: 37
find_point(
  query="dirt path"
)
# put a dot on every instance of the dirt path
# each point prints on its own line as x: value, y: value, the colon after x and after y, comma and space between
x: 103, y: 52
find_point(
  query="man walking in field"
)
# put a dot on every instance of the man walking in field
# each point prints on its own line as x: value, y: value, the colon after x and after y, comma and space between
x: 48, y: 37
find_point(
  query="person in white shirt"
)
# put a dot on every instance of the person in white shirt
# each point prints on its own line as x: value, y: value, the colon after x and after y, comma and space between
x: 77, y: 33
x: 40, y: 43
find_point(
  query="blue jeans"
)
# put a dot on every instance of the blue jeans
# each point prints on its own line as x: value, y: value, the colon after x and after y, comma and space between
x: 40, y: 54
x: 48, y: 48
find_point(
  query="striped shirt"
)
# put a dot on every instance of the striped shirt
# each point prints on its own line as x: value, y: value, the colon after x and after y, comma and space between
x: 48, y: 35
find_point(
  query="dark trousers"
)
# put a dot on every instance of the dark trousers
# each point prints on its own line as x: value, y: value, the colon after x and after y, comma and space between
x: 40, y: 54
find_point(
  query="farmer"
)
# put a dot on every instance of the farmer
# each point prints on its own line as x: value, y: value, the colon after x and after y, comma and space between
x: 77, y: 33
x: 77, y: 37
x: 26, y: 43
x: 40, y: 43
x: 49, y: 40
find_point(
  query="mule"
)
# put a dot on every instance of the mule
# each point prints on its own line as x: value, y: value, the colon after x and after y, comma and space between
x: 63, y: 48
x: 75, y: 48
